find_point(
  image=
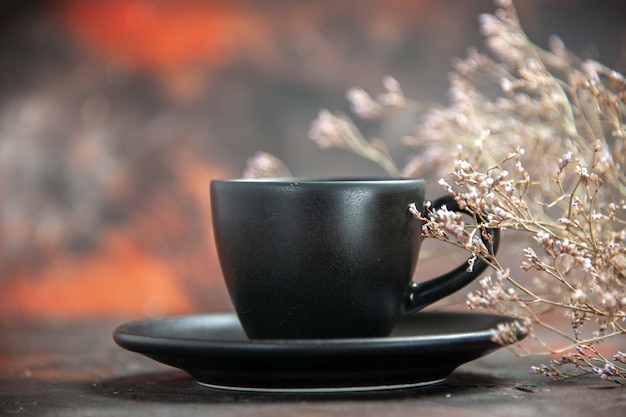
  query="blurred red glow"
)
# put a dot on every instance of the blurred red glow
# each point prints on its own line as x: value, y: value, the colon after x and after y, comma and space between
x: 178, y: 40
x: 163, y: 34
x: 127, y: 275
x: 120, y: 278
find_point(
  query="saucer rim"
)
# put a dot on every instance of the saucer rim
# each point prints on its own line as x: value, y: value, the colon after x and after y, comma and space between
x: 124, y: 335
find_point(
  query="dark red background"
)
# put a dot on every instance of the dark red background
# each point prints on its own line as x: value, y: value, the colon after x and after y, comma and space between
x: 115, y: 115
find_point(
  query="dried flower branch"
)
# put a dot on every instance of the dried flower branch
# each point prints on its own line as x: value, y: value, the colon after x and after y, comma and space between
x: 536, y: 144
x: 337, y: 131
x: 264, y: 165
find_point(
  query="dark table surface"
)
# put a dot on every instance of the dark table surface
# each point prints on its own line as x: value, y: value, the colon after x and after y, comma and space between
x: 73, y: 368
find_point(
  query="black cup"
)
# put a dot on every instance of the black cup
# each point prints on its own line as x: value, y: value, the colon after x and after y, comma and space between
x: 326, y: 258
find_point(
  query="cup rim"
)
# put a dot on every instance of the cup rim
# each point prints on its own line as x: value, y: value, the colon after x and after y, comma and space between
x: 321, y: 180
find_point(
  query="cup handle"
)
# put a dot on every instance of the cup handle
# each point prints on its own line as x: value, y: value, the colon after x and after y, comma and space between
x: 425, y: 293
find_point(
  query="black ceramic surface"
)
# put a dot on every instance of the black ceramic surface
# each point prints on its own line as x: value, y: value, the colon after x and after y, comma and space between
x: 423, y: 349
x: 325, y: 258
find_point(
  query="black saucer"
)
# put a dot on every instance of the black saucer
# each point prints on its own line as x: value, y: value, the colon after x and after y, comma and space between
x: 423, y: 349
